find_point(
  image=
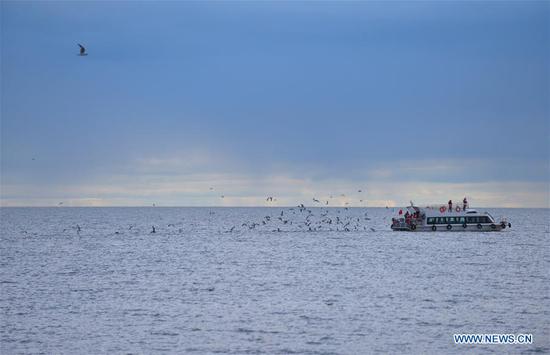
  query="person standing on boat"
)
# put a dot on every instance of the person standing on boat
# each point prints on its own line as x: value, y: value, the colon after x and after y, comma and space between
x: 464, y: 204
x: 450, y: 206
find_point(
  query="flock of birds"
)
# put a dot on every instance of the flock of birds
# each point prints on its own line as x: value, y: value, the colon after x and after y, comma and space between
x: 291, y: 219
x: 311, y: 219
x: 305, y: 219
x: 316, y: 218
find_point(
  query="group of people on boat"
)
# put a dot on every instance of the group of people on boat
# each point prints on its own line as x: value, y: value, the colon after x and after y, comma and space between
x: 409, y: 217
x: 415, y: 217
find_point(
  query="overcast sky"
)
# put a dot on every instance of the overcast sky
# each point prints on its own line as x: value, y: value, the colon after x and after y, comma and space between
x: 414, y: 100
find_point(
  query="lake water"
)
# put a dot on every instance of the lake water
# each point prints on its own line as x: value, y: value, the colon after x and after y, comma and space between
x: 195, y: 286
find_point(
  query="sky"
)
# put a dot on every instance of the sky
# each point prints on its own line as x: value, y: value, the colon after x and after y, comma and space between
x: 179, y: 103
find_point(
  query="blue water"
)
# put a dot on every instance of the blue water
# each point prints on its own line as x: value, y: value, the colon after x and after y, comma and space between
x: 195, y: 287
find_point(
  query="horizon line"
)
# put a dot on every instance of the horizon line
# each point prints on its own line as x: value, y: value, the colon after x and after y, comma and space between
x: 257, y: 206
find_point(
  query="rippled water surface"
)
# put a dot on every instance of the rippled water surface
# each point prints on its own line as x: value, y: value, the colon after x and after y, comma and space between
x: 195, y: 286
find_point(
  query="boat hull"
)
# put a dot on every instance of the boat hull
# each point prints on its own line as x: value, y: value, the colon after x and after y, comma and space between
x: 454, y: 228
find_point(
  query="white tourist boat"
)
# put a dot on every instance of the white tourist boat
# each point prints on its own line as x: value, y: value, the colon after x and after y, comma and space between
x: 441, y: 218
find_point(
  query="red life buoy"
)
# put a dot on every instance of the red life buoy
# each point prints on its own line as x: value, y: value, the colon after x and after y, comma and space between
x: 442, y: 209
x: 457, y: 209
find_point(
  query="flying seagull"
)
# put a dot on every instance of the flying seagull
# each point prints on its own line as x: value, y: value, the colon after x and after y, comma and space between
x: 82, y: 50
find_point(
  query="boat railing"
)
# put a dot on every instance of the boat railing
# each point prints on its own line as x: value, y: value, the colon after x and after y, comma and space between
x: 446, y: 207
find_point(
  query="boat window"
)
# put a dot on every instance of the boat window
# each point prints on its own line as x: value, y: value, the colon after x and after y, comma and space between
x: 462, y: 220
x: 477, y: 219
x: 431, y: 220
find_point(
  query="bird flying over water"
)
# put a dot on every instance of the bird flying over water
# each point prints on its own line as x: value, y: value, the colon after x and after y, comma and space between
x: 82, y: 50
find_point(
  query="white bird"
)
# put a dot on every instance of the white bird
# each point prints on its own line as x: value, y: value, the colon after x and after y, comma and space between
x: 82, y: 50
